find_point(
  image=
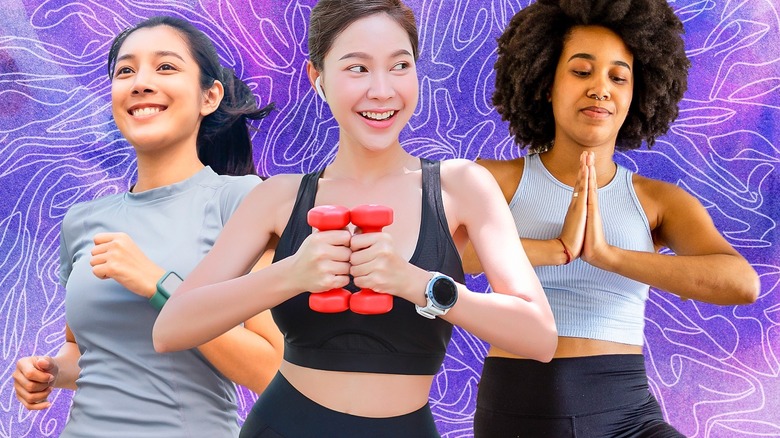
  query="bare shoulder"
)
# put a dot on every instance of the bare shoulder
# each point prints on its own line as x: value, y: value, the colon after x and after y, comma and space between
x: 503, y: 169
x: 661, y: 193
x: 277, y: 187
x: 473, y: 198
x: 459, y: 172
x: 506, y: 173
x: 665, y: 203
x: 271, y: 202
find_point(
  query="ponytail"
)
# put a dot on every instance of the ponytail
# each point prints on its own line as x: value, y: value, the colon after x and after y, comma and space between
x: 223, y: 139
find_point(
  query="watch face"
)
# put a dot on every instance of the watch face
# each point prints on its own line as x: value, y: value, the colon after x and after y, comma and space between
x: 171, y: 282
x: 445, y: 292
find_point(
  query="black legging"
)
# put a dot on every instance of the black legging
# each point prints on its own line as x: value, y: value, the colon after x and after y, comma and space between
x: 283, y: 412
x: 586, y: 397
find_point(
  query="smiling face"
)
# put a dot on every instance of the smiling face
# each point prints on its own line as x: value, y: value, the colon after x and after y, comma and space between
x: 156, y: 98
x: 370, y: 82
x: 593, y: 87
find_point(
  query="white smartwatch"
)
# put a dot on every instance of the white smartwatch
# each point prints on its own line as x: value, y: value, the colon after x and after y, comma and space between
x: 441, y: 293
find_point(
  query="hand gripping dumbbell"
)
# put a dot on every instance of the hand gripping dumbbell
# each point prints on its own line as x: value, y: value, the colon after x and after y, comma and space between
x: 370, y: 218
x: 326, y: 218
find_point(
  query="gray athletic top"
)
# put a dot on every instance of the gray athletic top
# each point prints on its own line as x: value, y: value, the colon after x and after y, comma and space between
x: 125, y: 388
x: 587, y: 302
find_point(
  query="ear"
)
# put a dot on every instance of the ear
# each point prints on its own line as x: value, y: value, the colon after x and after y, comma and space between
x: 212, y: 98
x: 315, y: 79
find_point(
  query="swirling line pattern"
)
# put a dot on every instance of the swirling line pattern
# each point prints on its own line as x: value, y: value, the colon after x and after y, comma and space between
x: 714, y: 369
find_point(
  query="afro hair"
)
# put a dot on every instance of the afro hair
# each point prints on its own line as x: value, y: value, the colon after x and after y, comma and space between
x: 529, y: 49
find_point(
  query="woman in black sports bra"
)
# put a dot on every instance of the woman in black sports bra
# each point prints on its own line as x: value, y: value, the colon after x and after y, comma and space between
x: 349, y: 373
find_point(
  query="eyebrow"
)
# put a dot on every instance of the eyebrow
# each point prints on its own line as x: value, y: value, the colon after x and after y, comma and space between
x: 159, y: 54
x: 363, y: 55
x: 593, y: 58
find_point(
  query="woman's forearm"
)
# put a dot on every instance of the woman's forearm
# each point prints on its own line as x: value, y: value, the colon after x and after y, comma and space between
x: 196, y: 314
x: 248, y: 355
x: 67, y: 360
x: 723, y: 279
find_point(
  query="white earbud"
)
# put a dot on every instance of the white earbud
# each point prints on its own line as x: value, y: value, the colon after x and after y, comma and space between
x: 318, y: 87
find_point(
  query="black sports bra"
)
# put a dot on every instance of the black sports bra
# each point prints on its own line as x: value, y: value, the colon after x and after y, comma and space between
x: 398, y: 342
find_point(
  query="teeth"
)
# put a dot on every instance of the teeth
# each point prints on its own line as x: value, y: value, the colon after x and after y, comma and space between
x: 378, y: 116
x: 146, y: 111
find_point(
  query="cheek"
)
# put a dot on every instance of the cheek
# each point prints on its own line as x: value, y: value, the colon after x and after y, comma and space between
x: 344, y: 98
x: 410, y: 89
x: 117, y: 108
x: 625, y: 101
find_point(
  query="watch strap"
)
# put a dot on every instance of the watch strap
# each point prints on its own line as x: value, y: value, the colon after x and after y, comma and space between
x: 159, y: 299
x: 161, y: 295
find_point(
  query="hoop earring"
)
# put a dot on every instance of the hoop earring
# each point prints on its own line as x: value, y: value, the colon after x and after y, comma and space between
x: 318, y: 87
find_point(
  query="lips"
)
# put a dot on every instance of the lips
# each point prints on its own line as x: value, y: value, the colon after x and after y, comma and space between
x: 597, y: 109
x: 596, y: 112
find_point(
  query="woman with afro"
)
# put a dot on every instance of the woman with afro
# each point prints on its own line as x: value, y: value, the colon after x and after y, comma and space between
x: 576, y: 80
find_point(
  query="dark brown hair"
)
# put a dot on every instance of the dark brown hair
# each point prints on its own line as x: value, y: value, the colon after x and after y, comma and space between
x: 529, y: 49
x: 223, y: 138
x: 330, y: 17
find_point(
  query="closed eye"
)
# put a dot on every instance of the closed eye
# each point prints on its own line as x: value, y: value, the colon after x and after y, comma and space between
x: 619, y: 79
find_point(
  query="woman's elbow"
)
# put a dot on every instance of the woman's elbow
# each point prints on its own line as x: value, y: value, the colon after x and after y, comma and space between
x: 540, y: 343
x: 744, y: 285
x: 548, y: 344
x: 162, y: 340
x: 752, y: 288
x: 160, y: 343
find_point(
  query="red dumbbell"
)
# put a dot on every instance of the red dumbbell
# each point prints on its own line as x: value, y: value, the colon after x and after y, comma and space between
x: 371, y: 218
x: 326, y: 218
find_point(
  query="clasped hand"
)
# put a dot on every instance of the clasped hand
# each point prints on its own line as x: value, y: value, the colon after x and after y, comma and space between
x: 583, y: 232
x: 326, y: 259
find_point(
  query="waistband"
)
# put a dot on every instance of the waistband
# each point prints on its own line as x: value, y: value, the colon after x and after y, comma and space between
x: 289, y: 413
x: 565, y: 386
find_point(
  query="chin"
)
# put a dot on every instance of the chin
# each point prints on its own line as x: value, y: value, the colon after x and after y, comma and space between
x: 379, y: 147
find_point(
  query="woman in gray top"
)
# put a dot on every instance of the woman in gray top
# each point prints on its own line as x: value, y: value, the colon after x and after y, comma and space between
x: 185, y: 115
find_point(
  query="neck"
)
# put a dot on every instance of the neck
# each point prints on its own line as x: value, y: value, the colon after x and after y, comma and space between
x: 367, y: 166
x: 563, y: 161
x: 165, y: 168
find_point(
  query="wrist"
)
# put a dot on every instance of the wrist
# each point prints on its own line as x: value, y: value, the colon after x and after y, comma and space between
x: 165, y: 287
x: 55, y: 375
x: 606, y: 258
x: 418, y: 284
x: 150, y: 286
x: 283, y: 275
x: 567, y: 255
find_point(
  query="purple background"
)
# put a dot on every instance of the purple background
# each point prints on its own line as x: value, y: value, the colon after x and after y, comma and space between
x: 714, y: 369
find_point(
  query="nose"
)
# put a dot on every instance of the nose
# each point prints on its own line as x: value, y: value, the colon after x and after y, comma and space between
x: 599, y: 88
x: 143, y: 82
x: 381, y: 86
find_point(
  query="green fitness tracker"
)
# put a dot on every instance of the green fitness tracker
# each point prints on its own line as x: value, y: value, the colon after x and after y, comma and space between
x: 165, y: 287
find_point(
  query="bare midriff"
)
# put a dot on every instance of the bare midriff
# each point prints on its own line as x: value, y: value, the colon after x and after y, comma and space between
x: 363, y: 394
x: 579, y: 347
